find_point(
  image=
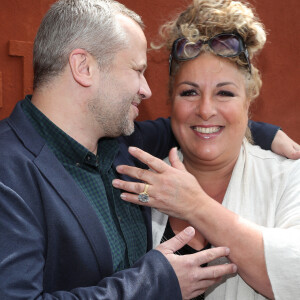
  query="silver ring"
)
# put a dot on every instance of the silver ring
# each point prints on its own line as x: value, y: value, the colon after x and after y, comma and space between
x: 144, y: 197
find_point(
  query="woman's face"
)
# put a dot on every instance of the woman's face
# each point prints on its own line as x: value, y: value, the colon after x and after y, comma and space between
x: 209, y: 109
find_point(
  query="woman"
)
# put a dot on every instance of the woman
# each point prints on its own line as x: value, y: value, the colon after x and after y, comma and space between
x: 233, y: 193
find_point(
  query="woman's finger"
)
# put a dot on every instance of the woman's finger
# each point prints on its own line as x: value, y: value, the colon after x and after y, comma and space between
x: 136, y: 188
x: 131, y: 187
x: 132, y: 198
x: 152, y: 162
x: 175, y: 161
x: 137, y: 173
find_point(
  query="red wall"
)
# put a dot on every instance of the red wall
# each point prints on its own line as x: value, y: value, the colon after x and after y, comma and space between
x: 279, y: 102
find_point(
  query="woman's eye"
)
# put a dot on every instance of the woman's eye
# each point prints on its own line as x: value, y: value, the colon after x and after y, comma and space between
x: 225, y: 94
x: 188, y: 93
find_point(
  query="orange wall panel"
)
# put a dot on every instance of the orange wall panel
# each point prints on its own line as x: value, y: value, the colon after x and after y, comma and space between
x: 278, y: 103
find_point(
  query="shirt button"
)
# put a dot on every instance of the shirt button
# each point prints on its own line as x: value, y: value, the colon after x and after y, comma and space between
x: 77, y: 164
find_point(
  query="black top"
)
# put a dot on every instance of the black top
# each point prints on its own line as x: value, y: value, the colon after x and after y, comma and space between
x: 186, y: 249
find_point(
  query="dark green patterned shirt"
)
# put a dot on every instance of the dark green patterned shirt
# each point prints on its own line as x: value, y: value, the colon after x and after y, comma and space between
x: 122, y: 221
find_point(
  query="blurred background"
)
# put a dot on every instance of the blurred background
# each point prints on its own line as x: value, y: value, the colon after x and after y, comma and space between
x: 278, y: 103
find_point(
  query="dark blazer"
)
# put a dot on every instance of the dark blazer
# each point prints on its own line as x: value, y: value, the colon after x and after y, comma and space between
x: 52, y: 245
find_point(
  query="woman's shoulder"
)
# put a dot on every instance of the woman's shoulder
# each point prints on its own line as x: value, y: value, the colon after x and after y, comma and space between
x: 267, y: 158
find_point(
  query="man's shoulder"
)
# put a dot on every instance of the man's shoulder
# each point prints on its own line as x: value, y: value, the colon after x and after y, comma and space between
x: 18, y: 146
x: 18, y: 134
x: 10, y: 142
x: 4, y: 127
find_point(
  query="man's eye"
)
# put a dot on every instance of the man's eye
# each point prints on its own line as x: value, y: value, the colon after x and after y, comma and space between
x: 225, y: 94
x: 188, y: 93
x: 140, y: 71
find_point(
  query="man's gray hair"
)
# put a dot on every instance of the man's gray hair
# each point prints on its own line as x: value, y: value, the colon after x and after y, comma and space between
x: 84, y: 24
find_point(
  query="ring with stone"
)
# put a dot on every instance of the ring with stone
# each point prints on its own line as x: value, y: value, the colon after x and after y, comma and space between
x: 144, y: 197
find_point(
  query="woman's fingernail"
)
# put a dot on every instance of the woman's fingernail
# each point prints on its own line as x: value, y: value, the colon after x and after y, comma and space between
x: 227, y: 251
x: 115, y: 182
x: 119, y: 168
x: 123, y: 196
x: 132, y: 148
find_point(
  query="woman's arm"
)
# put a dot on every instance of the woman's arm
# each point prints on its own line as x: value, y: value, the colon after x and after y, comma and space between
x: 270, y: 137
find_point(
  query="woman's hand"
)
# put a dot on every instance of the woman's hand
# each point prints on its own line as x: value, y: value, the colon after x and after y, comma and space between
x: 285, y: 146
x: 172, y: 189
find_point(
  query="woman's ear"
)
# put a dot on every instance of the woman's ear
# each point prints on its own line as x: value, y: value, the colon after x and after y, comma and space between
x: 82, y: 66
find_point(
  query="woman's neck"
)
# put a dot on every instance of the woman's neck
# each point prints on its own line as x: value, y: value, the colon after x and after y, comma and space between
x: 213, y: 179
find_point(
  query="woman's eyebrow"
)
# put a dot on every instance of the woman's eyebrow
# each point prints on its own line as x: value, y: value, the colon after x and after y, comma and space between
x: 225, y: 83
x: 189, y: 83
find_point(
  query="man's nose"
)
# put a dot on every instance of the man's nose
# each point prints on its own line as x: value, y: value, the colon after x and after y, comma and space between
x: 145, y: 90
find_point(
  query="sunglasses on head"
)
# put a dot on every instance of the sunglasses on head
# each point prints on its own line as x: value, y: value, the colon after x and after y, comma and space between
x: 223, y: 44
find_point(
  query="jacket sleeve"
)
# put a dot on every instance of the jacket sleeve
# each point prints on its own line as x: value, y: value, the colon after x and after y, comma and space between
x: 22, y: 260
x: 282, y: 243
x: 263, y: 133
x: 155, y: 137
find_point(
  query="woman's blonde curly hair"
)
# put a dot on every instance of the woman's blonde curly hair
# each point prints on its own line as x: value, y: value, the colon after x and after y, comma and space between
x: 204, y: 19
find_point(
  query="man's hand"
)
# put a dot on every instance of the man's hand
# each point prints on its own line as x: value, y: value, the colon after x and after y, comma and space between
x: 194, y: 279
x: 285, y: 146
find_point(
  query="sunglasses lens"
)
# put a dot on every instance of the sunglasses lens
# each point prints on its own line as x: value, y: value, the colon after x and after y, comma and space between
x: 226, y: 45
x: 187, y: 50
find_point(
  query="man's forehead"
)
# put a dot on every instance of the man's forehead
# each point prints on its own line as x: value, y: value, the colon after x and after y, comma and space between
x: 128, y: 23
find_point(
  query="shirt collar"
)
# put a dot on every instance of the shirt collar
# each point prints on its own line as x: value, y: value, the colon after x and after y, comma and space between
x: 64, y: 145
x: 108, y: 148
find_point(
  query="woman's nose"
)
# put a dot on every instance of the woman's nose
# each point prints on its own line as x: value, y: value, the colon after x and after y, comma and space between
x: 206, y: 108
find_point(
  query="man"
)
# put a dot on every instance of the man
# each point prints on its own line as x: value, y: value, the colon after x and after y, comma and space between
x: 64, y: 231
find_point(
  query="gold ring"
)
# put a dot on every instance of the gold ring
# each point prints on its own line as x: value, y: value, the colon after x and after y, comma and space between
x: 144, y: 197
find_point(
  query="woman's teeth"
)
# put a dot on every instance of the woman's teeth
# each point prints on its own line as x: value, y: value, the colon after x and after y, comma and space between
x: 207, y: 129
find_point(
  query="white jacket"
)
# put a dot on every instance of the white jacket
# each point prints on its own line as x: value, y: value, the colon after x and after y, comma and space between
x: 265, y: 189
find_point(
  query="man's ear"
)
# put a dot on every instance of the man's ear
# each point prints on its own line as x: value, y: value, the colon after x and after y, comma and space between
x: 82, y: 66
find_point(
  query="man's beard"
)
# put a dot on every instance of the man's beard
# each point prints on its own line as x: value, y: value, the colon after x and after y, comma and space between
x: 114, y: 121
